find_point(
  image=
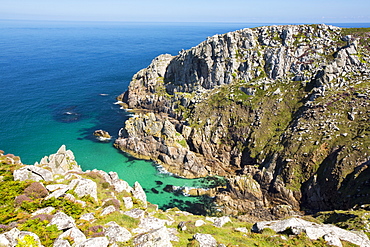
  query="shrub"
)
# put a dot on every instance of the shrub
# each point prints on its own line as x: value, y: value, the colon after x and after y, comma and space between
x: 27, y: 241
x: 113, y: 202
x: 121, y: 219
x: 36, y: 190
x: 43, y: 217
x: 95, y: 231
x: 31, y: 206
x: 105, y: 185
x: 46, y: 233
x: 20, y: 199
x: 67, y: 206
x: 3, y: 228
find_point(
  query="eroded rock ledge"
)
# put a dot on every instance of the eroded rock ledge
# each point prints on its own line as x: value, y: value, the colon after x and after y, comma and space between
x: 283, y: 108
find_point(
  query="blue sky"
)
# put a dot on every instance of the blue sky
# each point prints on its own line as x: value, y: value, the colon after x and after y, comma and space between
x: 268, y: 11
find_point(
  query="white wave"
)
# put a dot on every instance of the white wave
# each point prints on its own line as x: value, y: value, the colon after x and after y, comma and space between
x: 161, y: 170
x: 70, y: 113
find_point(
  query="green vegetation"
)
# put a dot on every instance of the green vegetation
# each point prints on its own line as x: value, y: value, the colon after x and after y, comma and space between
x: 183, y: 143
x: 230, y: 237
x: 27, y: 241
x: 361, y: 34
x: 357, y: 220
x: 46, y: 233
x: 227, y: 234
x: 121, y: 219
x: 258, y: 119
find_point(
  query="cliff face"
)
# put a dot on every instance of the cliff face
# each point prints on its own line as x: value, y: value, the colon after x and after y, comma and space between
x: 55, y: 203
x: 281, y: 111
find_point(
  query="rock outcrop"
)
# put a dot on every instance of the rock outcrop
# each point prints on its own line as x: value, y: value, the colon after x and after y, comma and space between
x: 281, y: 111
x: 331, y: 233
x: 102, y: 135
x: 63, y: 221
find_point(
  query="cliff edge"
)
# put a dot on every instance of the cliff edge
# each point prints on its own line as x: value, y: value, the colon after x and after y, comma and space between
x: 55, y: 203
x: 281, y: 111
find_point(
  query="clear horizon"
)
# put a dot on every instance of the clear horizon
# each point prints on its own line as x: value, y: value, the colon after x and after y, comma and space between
x: 233, y: 11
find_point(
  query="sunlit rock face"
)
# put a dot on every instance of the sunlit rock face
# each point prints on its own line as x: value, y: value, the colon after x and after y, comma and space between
x: 282, y: 108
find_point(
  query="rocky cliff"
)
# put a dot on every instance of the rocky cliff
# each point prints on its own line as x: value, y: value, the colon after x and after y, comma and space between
x: 281, y: 111
x: 55, y: 203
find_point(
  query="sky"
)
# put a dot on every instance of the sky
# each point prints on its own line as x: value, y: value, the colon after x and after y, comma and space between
x: 252, y: 11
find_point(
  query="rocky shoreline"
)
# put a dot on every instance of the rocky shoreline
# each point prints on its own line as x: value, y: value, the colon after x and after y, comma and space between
x: 55, y: 203
x: 280, y: 111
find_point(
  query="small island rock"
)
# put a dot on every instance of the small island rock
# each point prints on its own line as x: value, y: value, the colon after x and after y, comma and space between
x: 102, y: 135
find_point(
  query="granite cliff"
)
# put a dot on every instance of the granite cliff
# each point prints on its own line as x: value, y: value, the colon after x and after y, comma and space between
x: 281, y: 111
x: 55, y: 203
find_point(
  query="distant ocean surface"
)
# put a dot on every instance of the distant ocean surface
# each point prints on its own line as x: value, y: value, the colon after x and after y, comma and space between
x: 59, y: 80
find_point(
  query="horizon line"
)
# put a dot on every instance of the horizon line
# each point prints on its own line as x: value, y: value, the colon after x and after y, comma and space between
x: 221, y: 22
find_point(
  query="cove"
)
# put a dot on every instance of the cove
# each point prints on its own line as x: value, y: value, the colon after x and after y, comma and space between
x: 59, y: 83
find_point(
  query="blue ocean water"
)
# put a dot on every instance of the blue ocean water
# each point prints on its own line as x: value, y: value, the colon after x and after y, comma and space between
x: 59, y: 81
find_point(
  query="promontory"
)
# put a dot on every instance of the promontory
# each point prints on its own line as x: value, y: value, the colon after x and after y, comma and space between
x: 282, y: 112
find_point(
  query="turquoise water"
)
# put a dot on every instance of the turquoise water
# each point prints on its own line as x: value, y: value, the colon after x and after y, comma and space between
x: 50, y: 68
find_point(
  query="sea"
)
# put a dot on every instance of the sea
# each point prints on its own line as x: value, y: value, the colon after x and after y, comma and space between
x: 59, y: 81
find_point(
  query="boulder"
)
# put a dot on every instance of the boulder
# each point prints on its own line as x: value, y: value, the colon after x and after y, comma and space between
x: 127, y: 201
x: 10, y: 238
x: 102, y: 135
x: 54, y: 187
x: 157, y: 237
x: 108, y: 210
x: 47, y: 210
x: 135, y: 213
x: 205, y: 240
x: 84, y: 187
x: 34, y: 173
x: 241, y: 229
x: 116, y: 233
x: 57, y: 193
x: 332, y: 239
x: 60, y: 162
x: 150, y: 223
x: 24, y: 238
x: 314, y: 230
x: 119, y: 184
x: 61, y: 243
x: 73, y: 234
x: 139, y: 193
x: 94, y: 242
x: 15, y: 237
x: 62, y: 221
x: 219, y: 222
x: 4, y: 241
x: 88, y: 217
x: 199, y: 223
